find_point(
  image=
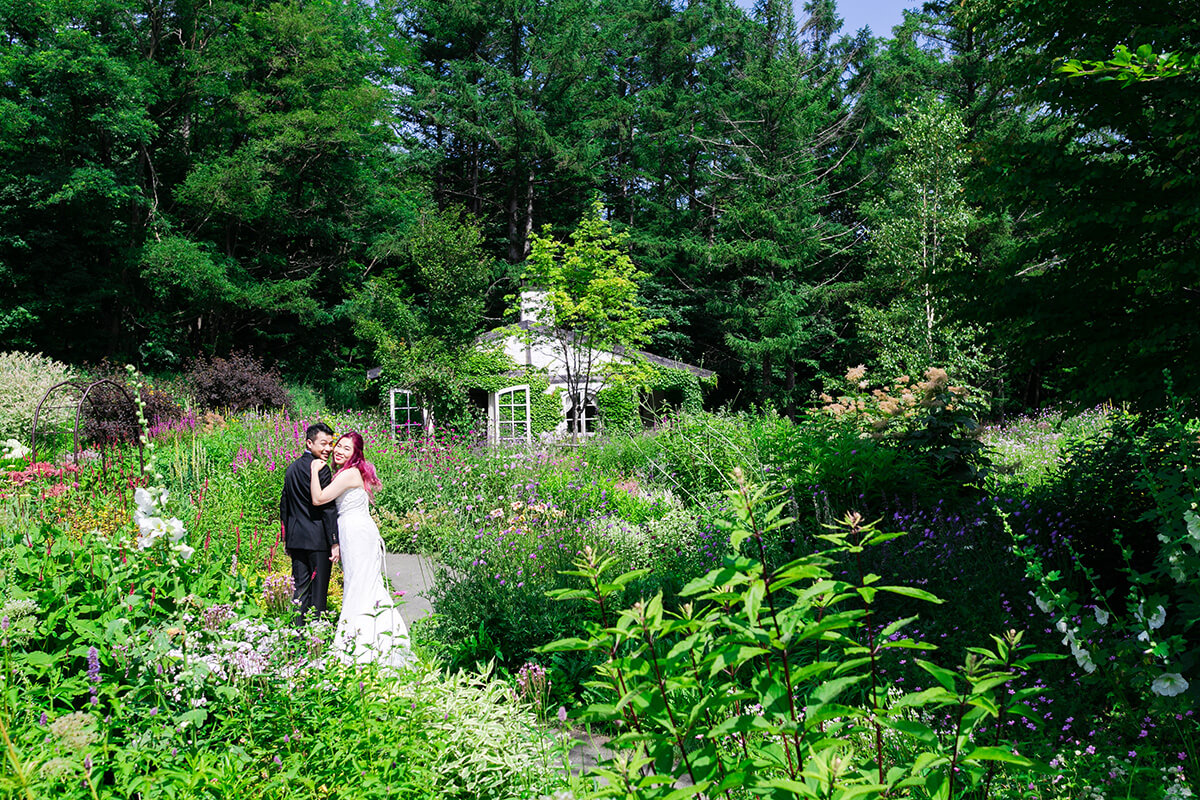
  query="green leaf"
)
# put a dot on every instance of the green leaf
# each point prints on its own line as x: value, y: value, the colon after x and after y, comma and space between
x: 917, y: 730
x: 733, y: 656
x: 829, y: 690
x: 753, y: 600
x: 947, y: 678
x: 996, y: 754
x: 564, y: 645
x: 909, y: 591
x: 35, y: 658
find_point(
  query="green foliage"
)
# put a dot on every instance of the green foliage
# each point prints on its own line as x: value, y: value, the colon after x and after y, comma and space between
x: 1098, y: 291
x: 193, y: 180
x: 686, y: 385
x: 771, y: 679
x: 421, y: 316
x: 768, y: 280
x: 1131, y: 490
x: 919, y: 232
x: 618, y: 408
x: 546, y: 409
x: 165, y: 720
x: 24, y: 380
x: 1140, y: 64
x: 452, y: 271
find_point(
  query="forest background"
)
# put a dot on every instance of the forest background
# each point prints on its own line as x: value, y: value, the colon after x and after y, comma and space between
x: 181, y: 178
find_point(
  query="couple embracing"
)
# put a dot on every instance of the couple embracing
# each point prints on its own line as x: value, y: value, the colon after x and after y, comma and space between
x: 326, y: 519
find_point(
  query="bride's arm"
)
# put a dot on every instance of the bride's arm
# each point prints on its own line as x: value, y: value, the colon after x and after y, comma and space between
x: 345, y: 479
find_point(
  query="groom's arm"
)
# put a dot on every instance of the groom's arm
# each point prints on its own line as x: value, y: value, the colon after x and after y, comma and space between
x: 329, y: 510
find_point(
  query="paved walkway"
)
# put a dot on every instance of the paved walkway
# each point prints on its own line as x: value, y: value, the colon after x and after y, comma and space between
x: 412, y: 575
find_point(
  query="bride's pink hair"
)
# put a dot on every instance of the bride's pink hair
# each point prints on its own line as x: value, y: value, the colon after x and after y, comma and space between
x: 357, y: 460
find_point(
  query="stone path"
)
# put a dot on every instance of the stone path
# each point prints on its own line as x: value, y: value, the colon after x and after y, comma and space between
x: 412, y: 575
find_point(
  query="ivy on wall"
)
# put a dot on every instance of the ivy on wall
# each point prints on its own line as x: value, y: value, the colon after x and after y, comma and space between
x: 546, y: 410
x: 689, y: 385
x: 618, y: 408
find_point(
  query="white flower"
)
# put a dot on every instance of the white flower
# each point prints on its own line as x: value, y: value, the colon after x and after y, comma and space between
x: 174, y: 529
x: 14, y: 449
x: 185, y: 551
x: 1156, y: 621
x: 1044, y: 605
x: 1101, y: 616
x: 1169, y: 684
x: 1082, y: 657
x: 1061, y: 625
x: 151, y: 528
x: 145, y: 502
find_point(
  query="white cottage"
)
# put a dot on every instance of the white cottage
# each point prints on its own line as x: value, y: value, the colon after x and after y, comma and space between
x: 509, y: 409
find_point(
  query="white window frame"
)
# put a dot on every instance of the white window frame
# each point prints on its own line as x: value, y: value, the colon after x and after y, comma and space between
x: 518, y: 428
x: 402, y: 415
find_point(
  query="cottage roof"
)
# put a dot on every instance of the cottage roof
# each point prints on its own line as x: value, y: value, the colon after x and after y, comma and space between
x: 669, y: 363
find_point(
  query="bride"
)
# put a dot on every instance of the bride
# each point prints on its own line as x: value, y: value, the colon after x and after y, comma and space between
x: 370, y: 627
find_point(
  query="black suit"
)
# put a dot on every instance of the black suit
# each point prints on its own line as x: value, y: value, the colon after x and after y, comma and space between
x: 309, y: 534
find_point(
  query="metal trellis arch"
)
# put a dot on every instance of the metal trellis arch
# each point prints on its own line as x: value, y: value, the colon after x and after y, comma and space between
x: 84, y: 391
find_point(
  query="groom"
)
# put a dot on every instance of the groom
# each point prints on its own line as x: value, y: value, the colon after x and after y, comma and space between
x: 310, y: 533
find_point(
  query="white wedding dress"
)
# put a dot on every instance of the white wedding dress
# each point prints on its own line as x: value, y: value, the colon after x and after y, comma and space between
x: 370, y: 627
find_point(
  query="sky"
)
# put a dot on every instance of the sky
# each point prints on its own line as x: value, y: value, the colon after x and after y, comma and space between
x: 881, y: 15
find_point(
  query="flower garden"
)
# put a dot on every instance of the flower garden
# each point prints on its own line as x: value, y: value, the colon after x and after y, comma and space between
x: 880, y: 601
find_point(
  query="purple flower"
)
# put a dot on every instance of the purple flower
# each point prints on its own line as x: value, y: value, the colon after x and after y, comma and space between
x: 93, y: 671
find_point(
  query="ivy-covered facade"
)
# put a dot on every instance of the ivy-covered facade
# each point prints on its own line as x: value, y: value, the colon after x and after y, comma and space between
x: 667, y: 386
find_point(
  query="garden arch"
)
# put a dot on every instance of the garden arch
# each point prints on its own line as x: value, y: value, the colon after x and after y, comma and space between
x: 84, y: 391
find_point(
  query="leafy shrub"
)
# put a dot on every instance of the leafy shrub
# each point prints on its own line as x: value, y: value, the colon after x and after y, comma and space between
x: 488, y: 747
x: 691, y: 453
x: 110, y: 412
x: 832, y: 468
x: 1131, y: 558
x: 237, y: 383
x: 24, y: 379
x: 489, y: 597
x: 1126, y: 484
x: 933, y: 418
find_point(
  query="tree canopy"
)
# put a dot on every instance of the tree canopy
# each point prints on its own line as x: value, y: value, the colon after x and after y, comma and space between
x: 1006, y: 190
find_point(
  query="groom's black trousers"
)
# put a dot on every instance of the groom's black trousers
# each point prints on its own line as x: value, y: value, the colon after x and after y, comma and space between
x: 310, y: 574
